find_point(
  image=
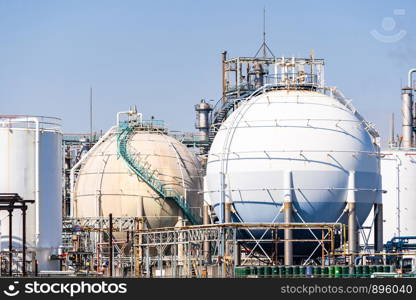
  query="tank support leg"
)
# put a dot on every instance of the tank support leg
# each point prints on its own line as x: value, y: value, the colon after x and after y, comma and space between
x: 228, y: 212
x: 378, y: 227
x: 352, y: 218
x: 288, y: 234
x: 288, y: 210
x: 206, y: 245
x: 352, y: 231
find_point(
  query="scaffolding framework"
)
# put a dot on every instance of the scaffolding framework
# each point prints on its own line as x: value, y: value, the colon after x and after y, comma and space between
x: 180, y: 251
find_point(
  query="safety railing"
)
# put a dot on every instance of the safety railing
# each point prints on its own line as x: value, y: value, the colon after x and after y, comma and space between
x: 148, y: 175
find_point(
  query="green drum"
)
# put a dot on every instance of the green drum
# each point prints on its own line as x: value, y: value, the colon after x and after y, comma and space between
x: 295, y: 271
x: 338, y: 271
x: 302, y: 271
x: 282, y: 271
x: 260, y: 271
x: 317, y: 271
x: 253, y: 270
x: 325, y: 272
x: 380, y: 269
x: 351, y: 271
x: 267, y: 271
x: 275, y: 271
x: 239, y: 272
x: 373, y: 269
x: 331, y: 270
x: 359, y: 271
x: 346, y: 272
x: 366, y: 271
x: 289, y: 271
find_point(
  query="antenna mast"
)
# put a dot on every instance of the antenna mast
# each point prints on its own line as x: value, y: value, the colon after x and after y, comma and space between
x: 264, y: 46
x: 91, y: 142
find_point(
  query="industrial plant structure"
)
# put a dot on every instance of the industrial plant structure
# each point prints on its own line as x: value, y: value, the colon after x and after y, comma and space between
x: 278, y: 182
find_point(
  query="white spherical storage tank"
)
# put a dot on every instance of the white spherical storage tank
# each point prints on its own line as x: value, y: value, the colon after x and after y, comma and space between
x: 31, y: 165
x: 300, y: 142
x: 106, y: 184
x: 398, y: 173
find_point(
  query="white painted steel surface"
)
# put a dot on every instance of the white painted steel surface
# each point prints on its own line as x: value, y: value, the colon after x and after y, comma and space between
x: 314, y: 136
x: 398, y: 171
x: 20, y: 167
x: 106, y: 184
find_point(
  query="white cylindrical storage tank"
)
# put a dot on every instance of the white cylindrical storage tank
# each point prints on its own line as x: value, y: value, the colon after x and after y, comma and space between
x: 31, y: 166
x: 324, y: 146
x: 106, y: 184
x: 398, y: 173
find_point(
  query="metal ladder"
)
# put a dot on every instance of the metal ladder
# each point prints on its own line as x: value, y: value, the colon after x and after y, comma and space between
x: 148, y: 176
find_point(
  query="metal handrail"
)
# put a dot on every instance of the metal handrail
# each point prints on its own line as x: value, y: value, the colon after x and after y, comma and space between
x: 26, y: 121
x: 148, y: 176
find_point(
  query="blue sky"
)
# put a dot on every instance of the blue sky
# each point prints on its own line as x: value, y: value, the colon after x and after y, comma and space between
x: 164, y: 56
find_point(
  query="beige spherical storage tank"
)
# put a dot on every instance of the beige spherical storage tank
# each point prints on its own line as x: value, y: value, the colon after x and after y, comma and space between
x: 108, y: 184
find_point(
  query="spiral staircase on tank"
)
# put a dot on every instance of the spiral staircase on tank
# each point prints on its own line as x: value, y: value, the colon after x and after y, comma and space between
x: 148, y: 176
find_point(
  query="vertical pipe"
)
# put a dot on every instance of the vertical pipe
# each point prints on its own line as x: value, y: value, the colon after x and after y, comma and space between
x: 24, y: 240
x: 37, y: 180
x: 111, y: 245
x: 287, y: 209
x: 407, y: 117
x: 10, y: 240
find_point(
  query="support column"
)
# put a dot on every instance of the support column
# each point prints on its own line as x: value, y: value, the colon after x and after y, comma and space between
x: 352, y: 218
x: 236, y: 249
x: 352, y: 231
x: 227, y: 209
x: 24, y: 208
x: 288, y: 209
x: 378, y: 227
x: 111, y: 244
x: 10, y: 242
x: 206, y: 245
x: 181, y: 259
x: 139, y: 240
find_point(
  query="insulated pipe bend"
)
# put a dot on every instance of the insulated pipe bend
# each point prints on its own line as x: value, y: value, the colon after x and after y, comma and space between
x: 409, y: 78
